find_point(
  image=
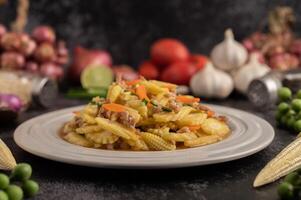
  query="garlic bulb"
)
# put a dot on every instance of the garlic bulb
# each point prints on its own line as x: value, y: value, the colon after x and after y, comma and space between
x: 211, y: 82
x: 253, y: 69
x: 229, y: 54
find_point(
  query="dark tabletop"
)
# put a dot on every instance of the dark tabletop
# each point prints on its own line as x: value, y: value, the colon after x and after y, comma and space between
x: 230, y: 180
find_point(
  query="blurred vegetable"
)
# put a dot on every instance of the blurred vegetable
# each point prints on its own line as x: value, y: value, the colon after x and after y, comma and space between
x: 10, y: 101
x: 125, y: 72
x: 229, y: 54
x: 45, y: 52
x: 96, y: 76
x: 167, y: 51
x: 283, y: 61
x: 84, y: 57
x: 27, y: 45
x: 178, y: 73
x: 211, y: 82
x: 148, y: 70
x: 44, y: 34
x: 10, y: 41
x: 253, y: 69
x: 198, y: 60
x: 51, y: 70
x: 12, y: 60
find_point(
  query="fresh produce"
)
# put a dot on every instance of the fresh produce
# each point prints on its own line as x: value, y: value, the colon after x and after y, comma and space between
x: 30, y: 188
x: 279, y: 47
x: 4, y: 181
x: 96, y: 76
x: 3, y: 195
x: 44, y: 34
x: 178, y: 73
x: 7, y: 160
x: 253, y: 69
x: 198, y: 60
x: 14, y: 192
x: 9, y: 101
x: 149, y: 70
x: 125, y: 72
x: 20, y: 51
x: 171, y: 61
x: 21, y: 172
x: 229, y: 54
x: 84, y: 58
x: 288, y: 113
x: 167, y: 51
x: 211, y: 82
x: 285, y: 162
x: 51, y: 70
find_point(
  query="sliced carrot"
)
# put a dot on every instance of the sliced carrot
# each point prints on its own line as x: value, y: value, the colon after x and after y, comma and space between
x: 141, y: 92
x: 133, y: 82
x: 210, y: 113
x: 186, y: 99
x: 114, y: 107
x: 194, y: 127
x: 76, y: 112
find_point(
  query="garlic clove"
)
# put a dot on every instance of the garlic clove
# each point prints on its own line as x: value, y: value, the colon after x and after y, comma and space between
x: 229, y: 54
x: 253, y: 69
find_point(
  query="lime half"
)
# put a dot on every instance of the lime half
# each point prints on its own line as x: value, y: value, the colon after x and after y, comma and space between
x: 96, y: 76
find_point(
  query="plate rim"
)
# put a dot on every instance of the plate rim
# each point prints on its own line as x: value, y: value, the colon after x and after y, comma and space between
x: 74, y: 161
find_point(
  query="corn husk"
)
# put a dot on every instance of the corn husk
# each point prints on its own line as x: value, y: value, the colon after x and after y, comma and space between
x: 7, y: 160
x: 288, y: 160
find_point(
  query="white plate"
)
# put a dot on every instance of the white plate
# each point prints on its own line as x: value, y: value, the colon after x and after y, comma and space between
x: 39, y: 136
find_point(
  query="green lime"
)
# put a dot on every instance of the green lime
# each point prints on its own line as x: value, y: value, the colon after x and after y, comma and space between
x: 292, y: 178
x: 283, y: 107
x: 14, y: 192
x: 286, y: 190
x: 21, y: 172
x: 298, y: 95
x: 31, y: 188
x: 3, y: 195
x: 284, y: 94
x: 296, y: 104
x: 297, y: 125
x: 96, y: 76
x: 4, y: 181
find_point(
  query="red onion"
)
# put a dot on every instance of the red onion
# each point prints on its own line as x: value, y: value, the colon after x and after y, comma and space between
x: 10, y: 41
x: 32, y: 67
x: 27, y: 46
x: 2, y: 30
x: 45, y: 52
x: 125, y: 72
x: 44, y: 34
x: 10, y: 101
x: 12, y: 60
x: 84, y: 58
x: 52, y: 70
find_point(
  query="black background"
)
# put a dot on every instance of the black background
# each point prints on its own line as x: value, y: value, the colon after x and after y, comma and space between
x: 127, y: 27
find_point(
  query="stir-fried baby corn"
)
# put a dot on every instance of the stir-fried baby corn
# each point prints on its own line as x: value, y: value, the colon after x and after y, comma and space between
x: 143, y: 115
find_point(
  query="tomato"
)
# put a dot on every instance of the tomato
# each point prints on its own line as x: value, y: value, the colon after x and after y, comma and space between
x: 179, y: 73
x: 167, y: 51
x: 199, y: 61
x: 149, y: 70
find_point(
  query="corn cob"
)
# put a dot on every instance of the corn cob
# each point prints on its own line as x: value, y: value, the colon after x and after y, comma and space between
x: 104, y: 137
x: 7, y: 160
x: 88, y: 129
x: 286, y: 161
x: 156, y: 142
